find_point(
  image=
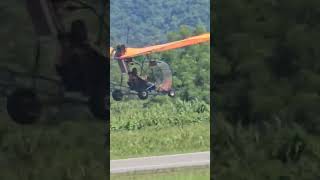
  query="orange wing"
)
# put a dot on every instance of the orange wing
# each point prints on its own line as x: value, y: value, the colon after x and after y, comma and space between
x: 133, y: 52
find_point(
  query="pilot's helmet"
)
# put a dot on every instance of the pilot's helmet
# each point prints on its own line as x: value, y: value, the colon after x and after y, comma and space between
x: 120, y: 50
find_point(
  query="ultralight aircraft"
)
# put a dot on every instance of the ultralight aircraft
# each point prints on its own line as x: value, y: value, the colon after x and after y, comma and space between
x: 159, y: 78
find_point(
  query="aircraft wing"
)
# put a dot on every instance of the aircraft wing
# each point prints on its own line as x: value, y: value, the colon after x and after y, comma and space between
x: 133, y: 52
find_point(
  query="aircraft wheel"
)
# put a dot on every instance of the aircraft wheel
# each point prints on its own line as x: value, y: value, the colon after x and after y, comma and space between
x: 117, y: 95
x: 24, y: 106
x: 143, y: 95
x: 172, y: 93
x: 99, y: 105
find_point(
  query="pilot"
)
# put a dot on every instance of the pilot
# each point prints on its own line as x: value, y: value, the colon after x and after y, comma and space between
x: 137, y: 83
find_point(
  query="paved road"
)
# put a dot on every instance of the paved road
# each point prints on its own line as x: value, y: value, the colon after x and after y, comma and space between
x: 160, y: 162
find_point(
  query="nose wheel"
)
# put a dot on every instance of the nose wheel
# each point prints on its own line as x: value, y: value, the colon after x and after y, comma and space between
x: 171, y: 93
x: 143, y: 95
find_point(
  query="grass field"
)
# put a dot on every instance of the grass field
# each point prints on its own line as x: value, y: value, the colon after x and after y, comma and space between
x: 158, y: 126
x: 187, y: 174
x: 172, y: 140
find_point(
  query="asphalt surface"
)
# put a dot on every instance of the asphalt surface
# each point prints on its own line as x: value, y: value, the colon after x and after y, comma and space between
x: 155, y: 163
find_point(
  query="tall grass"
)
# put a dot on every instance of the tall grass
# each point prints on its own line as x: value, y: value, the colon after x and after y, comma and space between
x: 158, y: 126
x: 160, y: 112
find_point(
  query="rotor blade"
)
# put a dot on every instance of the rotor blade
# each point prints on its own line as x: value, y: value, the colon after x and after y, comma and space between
x: 133, y: 52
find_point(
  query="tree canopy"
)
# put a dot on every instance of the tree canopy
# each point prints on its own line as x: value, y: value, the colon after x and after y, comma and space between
x: 148, y: 22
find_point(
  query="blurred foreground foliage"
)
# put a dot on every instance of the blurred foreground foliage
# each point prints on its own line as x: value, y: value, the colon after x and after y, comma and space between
x: 266, y: 90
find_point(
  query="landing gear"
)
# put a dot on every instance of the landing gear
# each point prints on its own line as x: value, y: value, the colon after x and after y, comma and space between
x: 143, y: 95
x: 23, y: 106
x: 117, y: 95
x: 171, y: 93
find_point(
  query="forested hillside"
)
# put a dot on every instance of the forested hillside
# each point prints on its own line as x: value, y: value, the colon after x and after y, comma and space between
x: 266, y: 90
x: 149, y: 21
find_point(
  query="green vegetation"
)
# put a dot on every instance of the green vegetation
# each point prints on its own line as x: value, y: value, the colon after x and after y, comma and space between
x: 158, y: 126
x: 152, y: 141
x: 150, y: 21
x: 189, y: 174
x: 160, y: 112
x: 266, y: 75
